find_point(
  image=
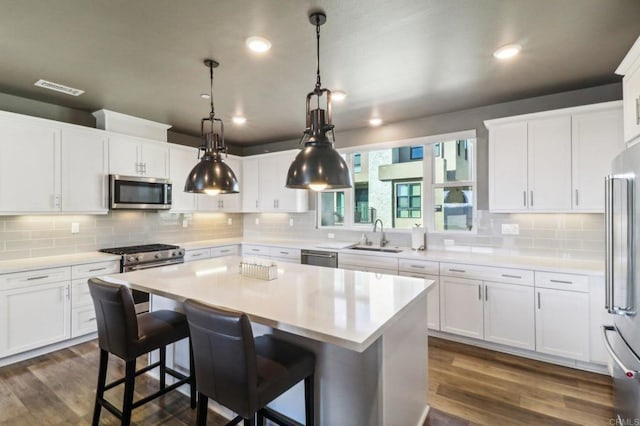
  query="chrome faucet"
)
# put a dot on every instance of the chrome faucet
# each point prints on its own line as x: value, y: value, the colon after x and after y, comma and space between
x: 383, y: 242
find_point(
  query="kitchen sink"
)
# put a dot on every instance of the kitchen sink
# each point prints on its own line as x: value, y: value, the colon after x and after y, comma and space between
x: 380, y: 249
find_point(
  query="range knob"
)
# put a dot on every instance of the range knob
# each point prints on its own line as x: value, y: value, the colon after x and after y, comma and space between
x: 137, y: 258
x: 157, y: 256
x: 131, y: 258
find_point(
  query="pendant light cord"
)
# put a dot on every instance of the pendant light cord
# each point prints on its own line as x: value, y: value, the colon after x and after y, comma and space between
x: 213, y: 112
x: 318, y: 82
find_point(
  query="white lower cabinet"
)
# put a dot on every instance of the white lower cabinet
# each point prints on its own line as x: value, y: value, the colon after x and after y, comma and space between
x: 509, y: 315
x: 461, y: 306
x: 198, y: 254
x: 562, y: 323
x: 433, y: 297
x: 33, y: 316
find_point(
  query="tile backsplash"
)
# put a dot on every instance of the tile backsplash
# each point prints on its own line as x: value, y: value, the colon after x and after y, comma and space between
x: 576, y: 236
x: 34, y: 236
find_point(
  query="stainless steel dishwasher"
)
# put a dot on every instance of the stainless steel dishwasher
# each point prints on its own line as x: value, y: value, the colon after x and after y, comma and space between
x: 328, y: 259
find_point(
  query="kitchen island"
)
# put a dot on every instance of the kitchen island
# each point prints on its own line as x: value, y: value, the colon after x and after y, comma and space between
x: 368, y: 331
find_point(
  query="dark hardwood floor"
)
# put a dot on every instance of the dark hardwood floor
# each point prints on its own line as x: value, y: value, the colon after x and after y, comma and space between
x: 467, y: 385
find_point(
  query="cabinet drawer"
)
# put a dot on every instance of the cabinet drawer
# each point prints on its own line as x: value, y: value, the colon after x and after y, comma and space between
x: 83, y: 321
x: 285, y: 253
x: 37, y: 277
x: 251, y: 250
x: 559, y: 281
x: 418, y: 266
x: 376, y: 262
x: 95, y: 269
x: 225, y: 251
x: 197, y: 254
x: 487, y: 273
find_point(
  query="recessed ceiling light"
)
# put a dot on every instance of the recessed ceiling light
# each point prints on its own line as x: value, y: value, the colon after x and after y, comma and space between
x: 338, y: 95
x: 508, y: 51
x: 375, y: 121
x: 205, y: 96
x: 58, y: 87
x: 258, y: 44
x: 239, y: 119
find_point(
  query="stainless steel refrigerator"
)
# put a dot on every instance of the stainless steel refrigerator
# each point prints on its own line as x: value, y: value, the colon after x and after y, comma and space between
x: 622, y: 338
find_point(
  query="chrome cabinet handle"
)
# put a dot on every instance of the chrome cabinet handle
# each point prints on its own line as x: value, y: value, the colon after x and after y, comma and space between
x: 196, y: 255
x: 327, y: 256
x: 531, y: 198
x: 561, y: 282
x: 225, y: 251
x: 37, y: 278
x: 638, y: 110
x: 577, y: 199
x: 538, y: 300
x: 486, y: 294
x: 479, y: 291
x: 97, y: 269
x: 511, y: 276
x: 462, y: 271
x: 524, y: 198
x: 627, y: 372
x: 417, y: 266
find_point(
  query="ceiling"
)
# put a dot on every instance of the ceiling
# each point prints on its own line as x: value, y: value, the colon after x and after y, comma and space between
x: 396, y: 59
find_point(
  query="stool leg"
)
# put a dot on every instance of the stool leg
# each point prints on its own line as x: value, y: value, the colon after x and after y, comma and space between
x: 163, y: 367
x: 201, y: 412
x: 259, y: 418
x: 192, y: 373
x: 129, y: 384
x: 250, y: 422
x: 309, y: 401
x: 102, y: 378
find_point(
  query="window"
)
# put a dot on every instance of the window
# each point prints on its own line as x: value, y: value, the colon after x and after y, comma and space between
x: 408, y: 200
x: 432, y: 185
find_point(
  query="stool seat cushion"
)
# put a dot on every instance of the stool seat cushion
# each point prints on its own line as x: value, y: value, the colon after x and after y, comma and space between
x: 280, y: 366
x: 160, y: 328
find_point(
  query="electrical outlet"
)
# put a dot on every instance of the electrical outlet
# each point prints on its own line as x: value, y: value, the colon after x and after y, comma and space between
x: 229, y: 221
x: 185, y: 223
x: 510, y: 229
x: 257, y: 221
x: 75, y: 228
x: 331, y: 235
x: 448, y: 243
x: 290, y: 221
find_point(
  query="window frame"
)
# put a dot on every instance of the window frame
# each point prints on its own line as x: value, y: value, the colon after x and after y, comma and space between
x: 428, y: 220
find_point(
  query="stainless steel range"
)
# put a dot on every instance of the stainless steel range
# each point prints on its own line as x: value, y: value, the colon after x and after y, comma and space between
x: 144, y: 257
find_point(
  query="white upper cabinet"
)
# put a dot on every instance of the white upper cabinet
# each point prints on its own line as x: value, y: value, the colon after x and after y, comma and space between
x: 508, y: 157
x: 84, y: 170
x: 554, y: 161
x: 131, y: 156
x: 30, y: 165
x: 630, y: 68
x: 181, y: 161
x: 263, y: 188
x: 549, y: 171
x: 597, y: 139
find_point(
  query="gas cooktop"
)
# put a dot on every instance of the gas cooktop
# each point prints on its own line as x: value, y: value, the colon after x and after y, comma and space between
x: 145, y: 248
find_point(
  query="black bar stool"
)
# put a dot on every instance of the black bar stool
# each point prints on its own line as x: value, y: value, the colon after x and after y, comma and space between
x: 242, y: 373
x: 126, y: 335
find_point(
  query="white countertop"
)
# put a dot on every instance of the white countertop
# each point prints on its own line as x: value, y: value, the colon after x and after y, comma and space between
x: 35, y: 263
x: 346, y: 308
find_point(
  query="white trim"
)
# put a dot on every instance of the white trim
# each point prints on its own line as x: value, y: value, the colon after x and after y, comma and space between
x: 12, y: 359
x: 551, y: 113
x: 629, y: 59
x: 422, y: 140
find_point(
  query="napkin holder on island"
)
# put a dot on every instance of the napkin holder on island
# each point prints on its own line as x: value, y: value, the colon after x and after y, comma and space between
x: 418, y: 238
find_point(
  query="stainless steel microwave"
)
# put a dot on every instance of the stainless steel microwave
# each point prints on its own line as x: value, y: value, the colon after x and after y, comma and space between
x: 139, y: 193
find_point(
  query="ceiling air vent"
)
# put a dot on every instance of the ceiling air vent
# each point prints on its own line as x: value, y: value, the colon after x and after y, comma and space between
x: 58, y: 87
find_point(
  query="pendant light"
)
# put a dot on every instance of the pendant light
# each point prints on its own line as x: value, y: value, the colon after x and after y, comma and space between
x: 212, y: 175
x: 318, y: 166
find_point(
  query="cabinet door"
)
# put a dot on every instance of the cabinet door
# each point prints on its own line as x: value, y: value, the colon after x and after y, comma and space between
x: 277, y: 197
x: 29, y: 160
x: 461, y: 306
x: 85, y: 170
x: 33, y: 316
x: 233, y: 202
x: 155, y: 159
x: 562, y: 323
x: 208, y: 203
x: 631, y: 89
x: 509, y: 315
x: 250, y: 186
x: 124, y: 156
x: 596, y: 139
x: 433, y: 298
x: 181, y: 161
x: 549, y: 149
x: 508, y: 167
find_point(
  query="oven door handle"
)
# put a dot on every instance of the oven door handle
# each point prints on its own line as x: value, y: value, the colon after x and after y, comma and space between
x: 152, y: 265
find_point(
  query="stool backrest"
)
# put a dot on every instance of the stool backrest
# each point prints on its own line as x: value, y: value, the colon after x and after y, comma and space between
x: 115, y: 315
x: 224, y: 356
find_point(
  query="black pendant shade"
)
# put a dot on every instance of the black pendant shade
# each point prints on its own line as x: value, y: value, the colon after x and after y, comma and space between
x: 212, y: 175
x: 318, y: 166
